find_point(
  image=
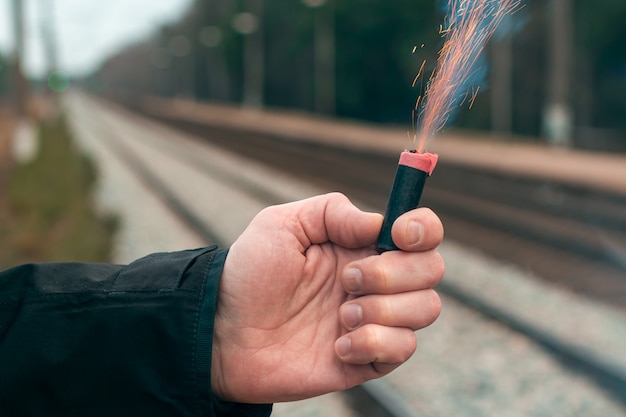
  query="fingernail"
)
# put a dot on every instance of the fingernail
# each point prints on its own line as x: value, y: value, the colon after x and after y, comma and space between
x: 415, y: 231
x: 352, y: 316
x: 343, y: 347
x: 353, y: 280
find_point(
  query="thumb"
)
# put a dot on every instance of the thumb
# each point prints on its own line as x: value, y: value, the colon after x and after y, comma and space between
x: 332, y: 217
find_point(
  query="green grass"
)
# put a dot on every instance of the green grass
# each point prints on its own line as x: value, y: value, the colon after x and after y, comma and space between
x: 50, y: 206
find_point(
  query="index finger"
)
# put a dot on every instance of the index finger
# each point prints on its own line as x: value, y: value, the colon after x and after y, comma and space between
x: 332, y: 217
x: 393, y: 272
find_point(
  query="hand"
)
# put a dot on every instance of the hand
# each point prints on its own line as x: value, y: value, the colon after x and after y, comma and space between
x: 306, y: 306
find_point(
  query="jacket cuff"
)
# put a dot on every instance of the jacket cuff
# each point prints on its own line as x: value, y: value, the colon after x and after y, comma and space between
x: 206, y: 321
x: 228, y: 409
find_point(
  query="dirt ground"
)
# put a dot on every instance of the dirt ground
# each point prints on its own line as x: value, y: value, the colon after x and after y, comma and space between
x: 6, y: 124
x: 6, y: 129
x: 40, y: 107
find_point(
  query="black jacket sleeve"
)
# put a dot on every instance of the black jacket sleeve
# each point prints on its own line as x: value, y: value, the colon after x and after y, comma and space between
x: 109, y: 340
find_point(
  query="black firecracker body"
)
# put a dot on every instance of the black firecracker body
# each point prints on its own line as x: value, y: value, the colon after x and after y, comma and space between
x: 405, y: 196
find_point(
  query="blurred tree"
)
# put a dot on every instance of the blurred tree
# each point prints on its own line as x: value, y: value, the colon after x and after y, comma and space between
x: 289, y: 30
x: 324, y: 55
x: 558, y: 117
x: 502, y: 78
x: 19, y: 82
x: 4, y: 76
x: 48, y: 32
x: 601, y: 63
x: 374, y: 66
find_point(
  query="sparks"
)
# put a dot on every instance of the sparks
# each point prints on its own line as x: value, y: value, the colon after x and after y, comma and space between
x: 419, y: 73
x: 474, y: 95
x: 466, y: 30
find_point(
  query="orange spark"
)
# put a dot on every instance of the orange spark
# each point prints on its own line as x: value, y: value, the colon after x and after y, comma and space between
x: 467, y: 28
x: 419, y: 73
x: 474, y: 95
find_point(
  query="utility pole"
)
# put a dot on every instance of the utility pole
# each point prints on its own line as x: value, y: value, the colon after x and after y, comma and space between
x: 558, y: 119
x: 255, y: 51
x: 250, y: 25
x: 20, y: 85
x: 48, y: 34
x: 324, y: 55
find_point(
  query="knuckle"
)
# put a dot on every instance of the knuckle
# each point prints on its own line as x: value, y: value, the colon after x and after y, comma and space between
x: 436, y: 266
x: 373, y: 339
x: 433, y: 302
x: 337, y: 197
x: 383, y: 279
x: 408, y: 347
x: 384, y: 310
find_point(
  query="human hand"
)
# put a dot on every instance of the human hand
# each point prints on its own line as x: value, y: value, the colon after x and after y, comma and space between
x: 306, y: 306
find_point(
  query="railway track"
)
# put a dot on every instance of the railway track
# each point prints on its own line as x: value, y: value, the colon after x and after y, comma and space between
x: 570, y: 235
x: 367, y: 177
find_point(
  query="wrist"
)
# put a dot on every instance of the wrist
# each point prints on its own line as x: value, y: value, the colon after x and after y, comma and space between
x: 217, y: 382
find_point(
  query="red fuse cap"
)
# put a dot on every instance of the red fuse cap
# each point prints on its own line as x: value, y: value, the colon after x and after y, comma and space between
x: 423, y: 161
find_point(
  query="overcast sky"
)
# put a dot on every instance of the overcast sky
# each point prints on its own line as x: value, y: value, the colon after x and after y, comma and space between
x: 87, y: 30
